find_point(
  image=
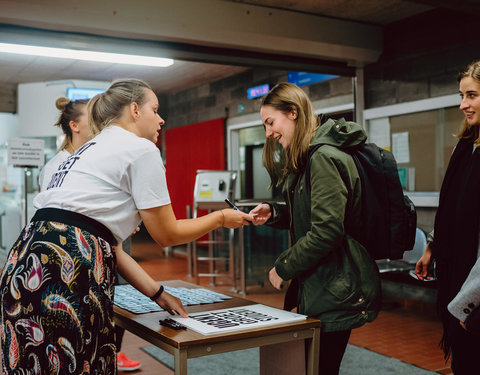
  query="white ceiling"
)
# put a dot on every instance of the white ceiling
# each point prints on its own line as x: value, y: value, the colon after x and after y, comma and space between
x: 16, y: 69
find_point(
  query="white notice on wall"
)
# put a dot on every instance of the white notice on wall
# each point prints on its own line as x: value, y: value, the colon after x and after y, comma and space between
x: 379, y: 132
x: 400, y: 149
x: 237, y: 319
x: 26, y: 152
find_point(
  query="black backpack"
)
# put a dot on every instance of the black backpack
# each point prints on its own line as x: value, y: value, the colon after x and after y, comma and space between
x: 389, y: 218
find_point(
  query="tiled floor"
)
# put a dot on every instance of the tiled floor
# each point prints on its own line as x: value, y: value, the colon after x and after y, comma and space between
x: 400, y: 332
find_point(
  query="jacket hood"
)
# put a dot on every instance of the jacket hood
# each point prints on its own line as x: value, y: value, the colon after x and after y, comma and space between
x: 340, y: 133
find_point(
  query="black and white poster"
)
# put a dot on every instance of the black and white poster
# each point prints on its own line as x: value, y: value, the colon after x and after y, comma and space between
x: 237, y: 319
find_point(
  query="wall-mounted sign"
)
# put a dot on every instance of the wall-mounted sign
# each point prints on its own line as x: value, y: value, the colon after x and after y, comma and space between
x: 76, y: 93
x: 26, y: 152
x: 400, y: 147
x: 304, y: 78
x: 257, y: 91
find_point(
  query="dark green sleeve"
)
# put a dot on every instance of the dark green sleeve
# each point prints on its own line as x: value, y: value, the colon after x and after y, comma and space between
x: 280, y: 218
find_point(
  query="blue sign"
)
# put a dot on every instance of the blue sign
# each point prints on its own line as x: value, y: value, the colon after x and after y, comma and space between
x: 255, y: 92
x: 303, y: 78
x: 75, y: 93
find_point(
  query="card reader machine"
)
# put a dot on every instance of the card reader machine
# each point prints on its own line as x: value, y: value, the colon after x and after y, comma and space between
x: 212, y: 188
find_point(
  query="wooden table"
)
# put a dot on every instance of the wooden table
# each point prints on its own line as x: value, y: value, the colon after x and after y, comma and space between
x: 275, y: 342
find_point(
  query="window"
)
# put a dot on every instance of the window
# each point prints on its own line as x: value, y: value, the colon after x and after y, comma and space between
x: 421, y: 141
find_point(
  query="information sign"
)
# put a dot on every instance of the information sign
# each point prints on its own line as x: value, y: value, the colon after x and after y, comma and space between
x: 304, y: 78
x: 257, y: 91
x: 26, y: 152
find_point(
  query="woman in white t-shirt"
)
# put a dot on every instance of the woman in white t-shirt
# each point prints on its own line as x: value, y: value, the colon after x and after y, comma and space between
x: 57, y: 285
x: 73, y: 120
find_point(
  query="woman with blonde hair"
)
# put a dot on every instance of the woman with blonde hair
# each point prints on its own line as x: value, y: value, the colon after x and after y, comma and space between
x: 73, y: 120
x: 454, y: 244
x: 57, y: 286
x: 333, y: 277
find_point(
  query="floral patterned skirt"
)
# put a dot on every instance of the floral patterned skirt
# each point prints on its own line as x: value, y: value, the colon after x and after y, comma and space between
x: 56, y: 294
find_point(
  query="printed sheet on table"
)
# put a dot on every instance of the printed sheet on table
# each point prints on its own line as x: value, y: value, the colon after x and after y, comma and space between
x: 237, y: 319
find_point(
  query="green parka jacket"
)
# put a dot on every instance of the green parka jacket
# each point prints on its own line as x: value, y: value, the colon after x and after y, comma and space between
x: 338, y: 280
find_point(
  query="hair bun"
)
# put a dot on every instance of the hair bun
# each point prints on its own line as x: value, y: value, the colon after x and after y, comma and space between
x: 62, y: 103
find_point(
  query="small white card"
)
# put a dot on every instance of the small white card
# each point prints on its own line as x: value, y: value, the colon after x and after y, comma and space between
x: 237, y: 319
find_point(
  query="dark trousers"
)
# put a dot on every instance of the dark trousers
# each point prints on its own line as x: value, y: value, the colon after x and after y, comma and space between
x: 465, y: 350
x: 332, y: 348
x: 119, y: 331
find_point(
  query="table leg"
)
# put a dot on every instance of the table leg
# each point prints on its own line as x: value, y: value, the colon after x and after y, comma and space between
x: 180, y: 357
x: 313, y: 352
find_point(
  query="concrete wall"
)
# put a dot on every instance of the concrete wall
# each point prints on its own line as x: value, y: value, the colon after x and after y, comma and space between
x: 8, y: 127
x: 36, y: 105
x: 8, y: 98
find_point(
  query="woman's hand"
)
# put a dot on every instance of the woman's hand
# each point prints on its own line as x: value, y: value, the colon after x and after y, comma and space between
x: 136, y: 230
x: 421, y: 268
x: 235, y: 218
x: 261, y: 214
x: 275, y: 280
x: 171, y: 304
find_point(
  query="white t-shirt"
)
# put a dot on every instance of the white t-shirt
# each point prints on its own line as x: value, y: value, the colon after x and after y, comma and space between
x: 50, y: 168
x: 109, y: 179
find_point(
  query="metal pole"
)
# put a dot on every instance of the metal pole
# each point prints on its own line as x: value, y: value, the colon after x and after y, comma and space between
x: 189, y: 245
x: 359, y: 95
x: 25, y: 174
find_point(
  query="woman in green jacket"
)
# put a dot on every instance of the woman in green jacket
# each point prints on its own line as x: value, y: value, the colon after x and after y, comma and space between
x: 333, y: 277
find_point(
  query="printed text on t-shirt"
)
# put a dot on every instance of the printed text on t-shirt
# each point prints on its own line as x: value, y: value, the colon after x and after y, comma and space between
x: 63, y: 169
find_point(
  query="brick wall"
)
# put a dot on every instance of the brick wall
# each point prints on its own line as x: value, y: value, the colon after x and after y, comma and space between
x: 228, y: 97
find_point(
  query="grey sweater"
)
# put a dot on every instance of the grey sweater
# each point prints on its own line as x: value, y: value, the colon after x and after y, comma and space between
x: 468, y: 298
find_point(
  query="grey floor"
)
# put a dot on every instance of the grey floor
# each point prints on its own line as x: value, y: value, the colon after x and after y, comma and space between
x: 357, y: 361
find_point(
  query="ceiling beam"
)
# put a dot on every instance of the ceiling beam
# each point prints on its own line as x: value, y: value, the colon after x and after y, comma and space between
x: 464, y: 6
x: 209, y: 24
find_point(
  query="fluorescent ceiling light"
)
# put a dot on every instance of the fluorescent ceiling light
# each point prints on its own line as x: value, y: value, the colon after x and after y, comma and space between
x: 64, y: 53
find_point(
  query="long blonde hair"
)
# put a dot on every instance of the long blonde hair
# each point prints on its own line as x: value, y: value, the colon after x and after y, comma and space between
x: 69, y: 111
x: 467, y: 131
x: 286, y: 98
x: 105, y: 108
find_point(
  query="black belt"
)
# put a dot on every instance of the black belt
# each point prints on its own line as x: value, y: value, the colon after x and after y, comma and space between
x: 77, y: 220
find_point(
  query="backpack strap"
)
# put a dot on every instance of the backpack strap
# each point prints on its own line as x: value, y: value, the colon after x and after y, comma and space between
x: 311, y: 151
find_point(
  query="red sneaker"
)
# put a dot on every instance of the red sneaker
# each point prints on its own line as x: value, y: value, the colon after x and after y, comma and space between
x: 126, y: 364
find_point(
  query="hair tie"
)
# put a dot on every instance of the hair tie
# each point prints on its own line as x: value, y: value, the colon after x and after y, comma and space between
x: 158, y: 294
